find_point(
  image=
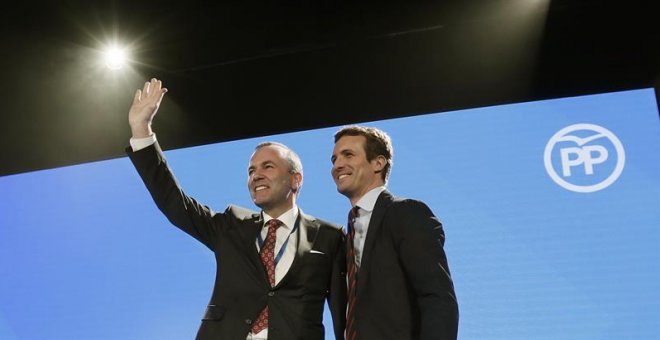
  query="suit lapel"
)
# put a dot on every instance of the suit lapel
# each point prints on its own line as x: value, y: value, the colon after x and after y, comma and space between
x: 306, y: 236
x: 248, y: 230
x: 308, y: 230
x: 375, y: 223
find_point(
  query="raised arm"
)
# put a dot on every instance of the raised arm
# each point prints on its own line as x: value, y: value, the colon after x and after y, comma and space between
x: 149, y: 160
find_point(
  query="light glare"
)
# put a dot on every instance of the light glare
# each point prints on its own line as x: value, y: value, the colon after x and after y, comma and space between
x: 115, y: 58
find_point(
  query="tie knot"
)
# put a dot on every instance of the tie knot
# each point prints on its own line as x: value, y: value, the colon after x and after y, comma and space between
x: 274, y: 223
x: 353, y: 214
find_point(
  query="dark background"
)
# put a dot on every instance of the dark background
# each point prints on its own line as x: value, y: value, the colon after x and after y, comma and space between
x: 239, y: 69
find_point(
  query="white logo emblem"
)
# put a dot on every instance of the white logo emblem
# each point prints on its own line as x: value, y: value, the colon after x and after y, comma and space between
x: 584, y: 157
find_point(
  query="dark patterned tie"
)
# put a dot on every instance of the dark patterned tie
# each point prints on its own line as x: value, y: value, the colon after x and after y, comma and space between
x: 267, y: 254
x: 352, y: 274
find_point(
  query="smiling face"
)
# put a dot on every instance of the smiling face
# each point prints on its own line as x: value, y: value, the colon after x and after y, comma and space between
x: 272, y: 183
x: 353, y: 174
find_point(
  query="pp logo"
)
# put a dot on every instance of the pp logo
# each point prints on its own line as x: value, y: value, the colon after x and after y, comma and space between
x: 584, y: 157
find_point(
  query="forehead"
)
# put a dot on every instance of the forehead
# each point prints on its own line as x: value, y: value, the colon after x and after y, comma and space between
x: 355, y: 143
x: 269, y: 153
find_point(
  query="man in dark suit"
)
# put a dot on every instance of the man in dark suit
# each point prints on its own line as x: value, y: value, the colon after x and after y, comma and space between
x: 275, y: 268
x: 399, y: 284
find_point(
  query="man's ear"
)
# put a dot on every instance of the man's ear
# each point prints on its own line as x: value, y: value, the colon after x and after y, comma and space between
x: 378, y: 163
x: 297, y: 181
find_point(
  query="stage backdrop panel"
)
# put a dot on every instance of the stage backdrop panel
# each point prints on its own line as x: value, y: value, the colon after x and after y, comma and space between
x: 551, y: 211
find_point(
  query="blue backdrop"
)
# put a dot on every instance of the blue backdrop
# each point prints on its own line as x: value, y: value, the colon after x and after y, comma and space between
x: 551, y: 211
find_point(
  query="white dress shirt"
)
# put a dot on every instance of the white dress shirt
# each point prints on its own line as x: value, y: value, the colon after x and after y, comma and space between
x: 141, y: 143
x: 361, y: 225
x: 284, y: 232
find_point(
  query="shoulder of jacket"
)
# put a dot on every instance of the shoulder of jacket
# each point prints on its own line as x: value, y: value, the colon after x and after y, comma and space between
x: 330, y: 225
x: 322, y: 223
x: 242, y: 213
x: 405, y: 203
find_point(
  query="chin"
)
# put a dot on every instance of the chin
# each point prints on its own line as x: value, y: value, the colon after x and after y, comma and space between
x: 343, y: 190
x: 259, y: 204
x: 258, y: 201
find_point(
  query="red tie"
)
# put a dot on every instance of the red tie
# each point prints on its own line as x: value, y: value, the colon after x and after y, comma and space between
x: 352, y: 274
x: 267, y: 254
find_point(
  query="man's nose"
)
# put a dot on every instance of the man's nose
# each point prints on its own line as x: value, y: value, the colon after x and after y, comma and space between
x: 337, y: 165
x: 256, y: 175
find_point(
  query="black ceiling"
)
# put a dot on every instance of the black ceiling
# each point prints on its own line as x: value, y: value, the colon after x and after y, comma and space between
x: 249, y: 68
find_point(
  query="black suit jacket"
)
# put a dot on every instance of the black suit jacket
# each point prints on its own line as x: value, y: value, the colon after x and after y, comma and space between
x: 241, y: 289
x: 404, y: 288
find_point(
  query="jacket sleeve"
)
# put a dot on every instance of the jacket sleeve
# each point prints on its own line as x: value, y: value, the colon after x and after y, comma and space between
x: 422, y: 256
x: 180, y: 209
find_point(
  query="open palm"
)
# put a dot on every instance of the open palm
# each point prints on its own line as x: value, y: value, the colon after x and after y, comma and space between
x: 144, y: 107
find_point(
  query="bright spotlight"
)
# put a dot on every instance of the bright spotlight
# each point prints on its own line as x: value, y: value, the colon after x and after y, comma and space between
x: 115, y: 58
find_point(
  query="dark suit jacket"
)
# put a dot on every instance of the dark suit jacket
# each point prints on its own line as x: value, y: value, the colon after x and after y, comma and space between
x: 241, y: 289
x: 404, y: 288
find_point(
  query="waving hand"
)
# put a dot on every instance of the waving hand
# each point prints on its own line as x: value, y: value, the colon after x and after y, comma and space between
x: 144, y: 107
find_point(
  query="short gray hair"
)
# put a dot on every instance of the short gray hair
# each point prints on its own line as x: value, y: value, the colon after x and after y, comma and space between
x: 295, y: 164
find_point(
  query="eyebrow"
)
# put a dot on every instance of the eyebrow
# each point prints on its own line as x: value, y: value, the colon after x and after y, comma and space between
x: 341, y: 152
x: 266, y: 162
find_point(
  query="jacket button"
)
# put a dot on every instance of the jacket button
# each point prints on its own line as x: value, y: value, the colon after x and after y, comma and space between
x: 271, y: 293
x: 248, y: 321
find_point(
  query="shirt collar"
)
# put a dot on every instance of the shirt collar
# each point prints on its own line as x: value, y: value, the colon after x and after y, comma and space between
x: 288, y: 218
x: 368, y: 201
